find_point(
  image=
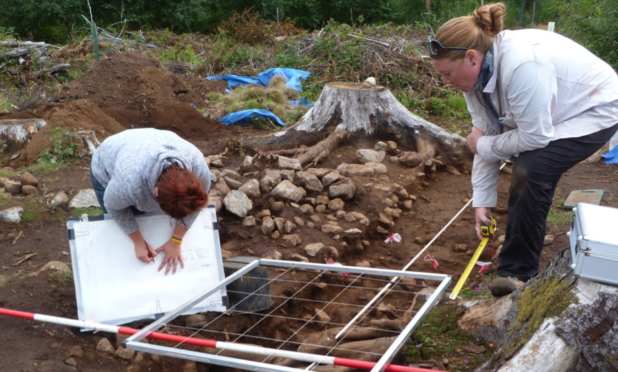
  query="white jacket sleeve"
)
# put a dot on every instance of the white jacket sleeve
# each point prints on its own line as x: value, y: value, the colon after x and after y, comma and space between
x: 485, y: 182
x: 531, y: 96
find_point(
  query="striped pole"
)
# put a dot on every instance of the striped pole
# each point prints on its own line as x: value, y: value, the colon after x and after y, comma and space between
x: 304, y: 357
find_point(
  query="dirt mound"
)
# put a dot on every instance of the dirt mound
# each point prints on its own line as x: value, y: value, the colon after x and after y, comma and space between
x: 78, y: 115
x: 131, y: 81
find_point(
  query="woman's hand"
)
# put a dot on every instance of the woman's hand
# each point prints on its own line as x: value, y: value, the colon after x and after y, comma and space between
x: 481, y: 215
x: 144, y: 252
x: 172, y: 256
x: 473, y: 139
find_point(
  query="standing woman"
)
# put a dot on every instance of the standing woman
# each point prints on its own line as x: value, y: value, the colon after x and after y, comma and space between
x: 532, y: 94
x: 151, y: 170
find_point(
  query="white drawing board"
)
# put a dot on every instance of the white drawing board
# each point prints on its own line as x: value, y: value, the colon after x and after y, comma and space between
x: 113, y: 287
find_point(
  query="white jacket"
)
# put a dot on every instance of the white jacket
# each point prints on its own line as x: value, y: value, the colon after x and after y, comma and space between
x: 545, y: 87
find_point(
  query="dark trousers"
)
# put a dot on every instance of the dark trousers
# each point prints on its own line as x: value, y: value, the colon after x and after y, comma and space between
x: 535, y: 176
x: 99, y: 190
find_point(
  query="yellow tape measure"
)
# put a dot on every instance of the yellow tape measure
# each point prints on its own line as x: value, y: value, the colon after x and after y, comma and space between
x: 487, y: 230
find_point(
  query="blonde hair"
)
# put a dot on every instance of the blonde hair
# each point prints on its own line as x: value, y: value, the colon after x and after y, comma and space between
x: 477, y: 31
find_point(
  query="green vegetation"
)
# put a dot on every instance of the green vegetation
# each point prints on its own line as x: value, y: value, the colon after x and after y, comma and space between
x: 91, y: 211
x: 438, y: 337
x: 63, y: 147
x: 3, y: 197
x: 559, y: 217
x: 61, y: 276
x: 481, y: 291
x: 30, y: 212
x: 3, y: 280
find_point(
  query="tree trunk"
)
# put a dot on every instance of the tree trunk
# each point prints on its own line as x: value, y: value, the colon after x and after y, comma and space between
x: 18, y: 132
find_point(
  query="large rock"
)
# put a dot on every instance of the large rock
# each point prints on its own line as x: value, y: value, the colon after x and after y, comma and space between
x: 28, y: 179
x: 336, y: 205
x: 330, y: 178
x: 378, y: 168
x: 365, y: 156
x: 319, y: 172
x: 232, y: 183
x: 411, y: 159
x: 343, y: 188
x: 289, y: 163
x: 217, y: 202
x: 331, y: 229
x: 12, y: 187
x: 349, y: 170
x: 29, y: 190
x: 313, y: 249
x: 11, y: 215
x: 268, y: 226
x: 286, y: 190
x: 291, y: 240
x: 59, y: 199
x: 231, y: 174
x: 238, y: 203
x: 251, y: 188
x: 105, y: 346
x: 84, y: 199
x: 222, y: 187
x: 3, y: 181
x: 268, y: 182
x: 312, y: 183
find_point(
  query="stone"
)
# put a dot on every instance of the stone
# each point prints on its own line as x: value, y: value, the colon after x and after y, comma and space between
x: 251, y: 188
x: 330, y: 178
x: 289, y: 163
x: 286, y: 190
x: 310, y: 225
x: 393, y: 159
x: 276, y: 206
x: 384, y: 220
x: 59, y: 199
x: 322, y: 199
x: 276, y: 235
x: 322, y: 316
x: 403, y: 194
x: 460, y: 248
x: 331, y: 229
x: 391, y: 145
x: 343, y: 188
x: 274, y: 255
x: 366, y: 156
x: 395, y: 213
x: 340, y: 215
x: 357, y: 215
x: 105, y: 346
x: 312, y: 183
x: 29, y: 190
x: 249, y: 221
x: 501, y: 239
x: 291, y: 240
x: 310, y: 201
x: 71, y: 362
x: 353, y: 233
x: 3, y: 180
x: 214, y: 175
x: 349, y: 170
x: 76, y: 351
x: 333, y: 252
x: 299, y: 221
x: 232, y: 183
x: 336, y: 205
x: 288, y: 227
x: 388, y: 212
x: 247, y: 161
x: 11, y: 215
x: 381, y: 230
x: 12, y: 187
x: 189, y: 366
x: 306, y: 209
x: 332, y: 219
x: 263, y: 213
x: 313, y: 249
x: 378, y: 168
x: 549, y: 239
x: 349, y: 217
x: 222, y: 187
x: 139, y: 357
x: 268, y: 182
x: 268, y: 226
x: 394, y: 198
x: 320, y: 208
x: 294, y: 205
x: 315, y: 218
x: 53, y: 265
x: 196, y: 321
x: 279, y: 223
x: 319, y: 172
x: 217, y: 163
x: 287, y: 174
x: 380, y: 146
x: 217, y: 202
x: 238, y: 203
x: 28, y: 179
x: 411, y: 159
x: 231, y: 174
x: 125, y: 354
x: 365, y: 243
x: 297, y: 257
x: 407, y: 204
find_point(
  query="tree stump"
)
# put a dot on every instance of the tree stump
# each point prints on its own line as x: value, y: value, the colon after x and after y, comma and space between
x: 16, y: 133
x: 347, y: 109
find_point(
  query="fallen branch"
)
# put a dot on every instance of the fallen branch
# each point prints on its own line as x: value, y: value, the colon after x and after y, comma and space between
x: 24, y: 259
x: 51, y: 70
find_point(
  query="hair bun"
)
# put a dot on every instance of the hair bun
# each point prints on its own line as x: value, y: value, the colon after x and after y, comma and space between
x: 490, y: 18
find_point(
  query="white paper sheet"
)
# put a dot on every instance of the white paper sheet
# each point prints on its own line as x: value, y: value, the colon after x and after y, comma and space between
x: 114, y: 287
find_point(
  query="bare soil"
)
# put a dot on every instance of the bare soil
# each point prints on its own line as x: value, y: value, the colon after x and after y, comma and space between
x: 30, y: 346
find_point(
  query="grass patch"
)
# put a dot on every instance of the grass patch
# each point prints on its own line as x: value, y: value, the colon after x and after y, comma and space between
x: 4, y: 197
x: 43, y: 166
x: 558, y: 218
x: 7, y: 174
x: 90, y: 211
x: 61, y: 276
x: 438, y: 337
x: 481, y: 291
x: 30, y: 212
x: 3, y: 280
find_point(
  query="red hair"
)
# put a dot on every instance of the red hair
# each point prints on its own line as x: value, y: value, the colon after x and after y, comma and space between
x: 180, y: 192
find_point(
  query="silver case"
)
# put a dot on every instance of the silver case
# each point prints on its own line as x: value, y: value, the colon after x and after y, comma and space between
x: 594, y: 243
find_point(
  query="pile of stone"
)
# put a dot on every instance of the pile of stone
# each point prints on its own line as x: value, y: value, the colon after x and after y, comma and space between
x: 26, y: 185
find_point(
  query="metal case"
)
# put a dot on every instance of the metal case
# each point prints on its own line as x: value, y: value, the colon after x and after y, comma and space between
x: 594, y: 243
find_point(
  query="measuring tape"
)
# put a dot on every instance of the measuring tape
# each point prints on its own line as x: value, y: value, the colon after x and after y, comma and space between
x: 487, y: 230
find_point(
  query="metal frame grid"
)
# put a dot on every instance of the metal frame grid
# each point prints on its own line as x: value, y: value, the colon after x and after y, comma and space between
x: 287, y: 273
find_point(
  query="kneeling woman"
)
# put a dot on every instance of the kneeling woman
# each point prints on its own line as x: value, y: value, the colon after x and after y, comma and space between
x: 151, y: 170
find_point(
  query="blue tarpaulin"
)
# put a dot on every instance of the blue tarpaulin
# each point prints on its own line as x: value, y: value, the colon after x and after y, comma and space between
x: 612, y: 156
x: 292, y: 76
x: 248, y: 115
x: 302, y: 101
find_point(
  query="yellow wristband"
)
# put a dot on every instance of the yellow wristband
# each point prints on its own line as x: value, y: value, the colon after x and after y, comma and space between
x: 177, y: 241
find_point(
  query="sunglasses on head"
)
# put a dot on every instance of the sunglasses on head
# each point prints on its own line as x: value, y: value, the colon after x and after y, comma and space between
x: 435, y: 47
